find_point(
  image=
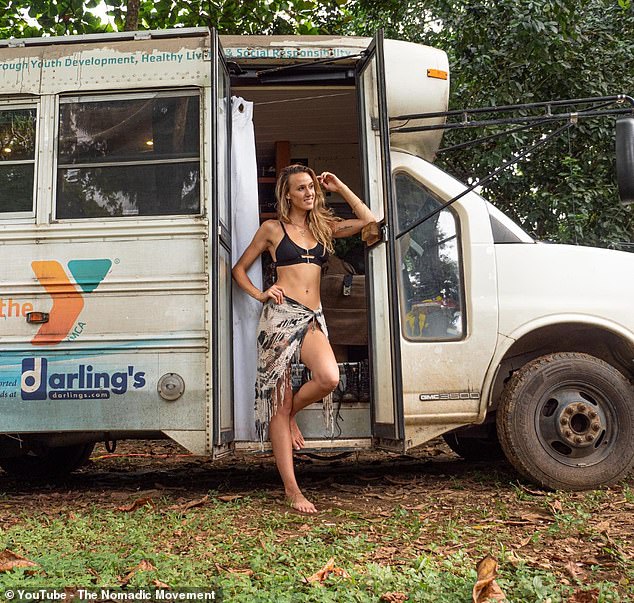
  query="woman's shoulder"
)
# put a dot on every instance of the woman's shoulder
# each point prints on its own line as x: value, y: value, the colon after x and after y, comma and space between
x: 272, y: 225
x: 271, y: 229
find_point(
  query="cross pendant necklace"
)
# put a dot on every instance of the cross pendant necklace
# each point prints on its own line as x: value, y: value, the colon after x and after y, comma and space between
x: 302, y: 229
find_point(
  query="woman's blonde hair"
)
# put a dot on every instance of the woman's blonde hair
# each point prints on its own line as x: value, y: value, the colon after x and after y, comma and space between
x: 319, y: 219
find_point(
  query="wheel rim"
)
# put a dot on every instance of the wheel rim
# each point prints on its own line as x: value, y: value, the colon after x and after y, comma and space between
x: 575, y: 424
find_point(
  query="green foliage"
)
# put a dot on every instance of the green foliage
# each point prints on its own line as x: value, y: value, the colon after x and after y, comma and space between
x: 501, y: 52
x: 97, y: 546
x: 263, y: 17
x: 518, y: 51
x: 19, y: 18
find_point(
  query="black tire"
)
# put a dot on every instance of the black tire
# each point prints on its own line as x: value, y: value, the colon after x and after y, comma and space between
x: 566, y: 421
x: 484, y: 447
x: 48, y: 463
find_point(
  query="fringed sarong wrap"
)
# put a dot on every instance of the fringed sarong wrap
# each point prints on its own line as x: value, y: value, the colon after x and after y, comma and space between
x: 280, y: 335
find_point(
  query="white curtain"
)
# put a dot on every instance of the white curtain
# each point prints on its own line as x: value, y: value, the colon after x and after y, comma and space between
x: 244, y: 222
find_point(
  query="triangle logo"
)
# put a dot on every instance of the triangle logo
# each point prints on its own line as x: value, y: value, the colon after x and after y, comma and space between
x: 88, y: 274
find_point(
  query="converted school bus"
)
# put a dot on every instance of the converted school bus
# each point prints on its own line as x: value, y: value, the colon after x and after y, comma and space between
x: 115, y: 259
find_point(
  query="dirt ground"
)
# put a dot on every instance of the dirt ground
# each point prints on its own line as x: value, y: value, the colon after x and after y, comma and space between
x: 572, y: 534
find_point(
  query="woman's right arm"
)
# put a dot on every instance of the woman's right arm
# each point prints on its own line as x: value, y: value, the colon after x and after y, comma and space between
x: 262, y: 240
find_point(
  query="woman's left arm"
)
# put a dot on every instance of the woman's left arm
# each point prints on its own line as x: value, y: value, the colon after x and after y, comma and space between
x: 346, y: 228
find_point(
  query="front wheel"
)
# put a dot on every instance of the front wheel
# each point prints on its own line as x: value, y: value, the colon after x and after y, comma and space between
x: 566, y: 421
x: 46, y: 463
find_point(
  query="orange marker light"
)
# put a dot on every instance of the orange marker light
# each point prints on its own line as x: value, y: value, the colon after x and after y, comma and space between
x: 37, y: 317
x: 437, y: 74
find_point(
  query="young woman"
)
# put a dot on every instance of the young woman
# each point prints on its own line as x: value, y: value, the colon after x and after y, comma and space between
x: 292, y: 323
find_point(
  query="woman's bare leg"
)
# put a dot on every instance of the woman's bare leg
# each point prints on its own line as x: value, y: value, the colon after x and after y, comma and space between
x: 319, y: 358
x: 281, y: 442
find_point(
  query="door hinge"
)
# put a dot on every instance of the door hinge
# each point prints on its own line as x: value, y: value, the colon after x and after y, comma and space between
x: 374, y: 123
x: 206, y: 54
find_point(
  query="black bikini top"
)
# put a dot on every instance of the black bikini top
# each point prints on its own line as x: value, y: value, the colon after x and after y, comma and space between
x: 289, y: 253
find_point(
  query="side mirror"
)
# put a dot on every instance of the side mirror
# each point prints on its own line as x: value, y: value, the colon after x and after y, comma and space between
x: 625, y: 158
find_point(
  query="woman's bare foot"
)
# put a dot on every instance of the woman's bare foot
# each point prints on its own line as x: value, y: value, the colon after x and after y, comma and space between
x: 296, y: 435
x: 300, y: 503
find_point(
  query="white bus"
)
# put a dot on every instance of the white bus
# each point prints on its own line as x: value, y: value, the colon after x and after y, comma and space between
x: 115, y: 260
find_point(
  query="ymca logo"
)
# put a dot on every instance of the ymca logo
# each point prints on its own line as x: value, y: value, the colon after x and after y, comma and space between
x: 68, y: 299
x: 83, y: 384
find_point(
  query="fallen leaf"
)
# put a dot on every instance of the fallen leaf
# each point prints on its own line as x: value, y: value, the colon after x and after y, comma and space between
x: 591, y: 561
x: 384, y: 496
x: 160, y: 584
x: 585, y: 596
x: 189, y: 504
x: 603, y: 526
x: 137, y: 504
x: 537, y: 516
x: 118, y: 496
x: 513, y: 558
x: 231, y: 570
x: 514, y: 522
x: 325, y: 571
x: 435, y: 452
x: 572, y: 569
x: 486, y: 588
x: 556, y: 507
x: 533, y: 492
x: 394, y: 597
x: 229, y: 497
x: 10, y: 560
x: 524, y: 541
x: 346, y: 488
x: 400, y: 482
x: 143, y: 566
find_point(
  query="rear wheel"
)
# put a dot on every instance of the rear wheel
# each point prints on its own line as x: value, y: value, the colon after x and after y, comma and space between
x: 566, y: 421
x: 43, y: 463
x: 482, y: 447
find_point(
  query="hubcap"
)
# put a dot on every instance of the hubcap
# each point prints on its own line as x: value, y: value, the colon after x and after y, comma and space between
x: 579, y: 424
x: 575, y: 424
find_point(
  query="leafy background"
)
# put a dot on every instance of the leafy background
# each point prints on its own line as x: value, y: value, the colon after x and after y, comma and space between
x: 500, y: 52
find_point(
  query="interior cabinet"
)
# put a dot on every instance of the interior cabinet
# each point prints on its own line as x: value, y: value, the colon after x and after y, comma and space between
x: 267, y: 181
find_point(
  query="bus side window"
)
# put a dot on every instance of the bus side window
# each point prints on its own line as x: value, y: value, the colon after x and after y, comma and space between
x: 129, y: 155
x: 17, y: 159
x: 430, y: 265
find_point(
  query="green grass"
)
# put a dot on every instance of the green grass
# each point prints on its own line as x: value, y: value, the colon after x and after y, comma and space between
x: 428, y: 558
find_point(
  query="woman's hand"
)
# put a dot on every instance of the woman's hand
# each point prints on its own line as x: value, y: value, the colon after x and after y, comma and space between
x: 273, y: 292
x: 330, y: 182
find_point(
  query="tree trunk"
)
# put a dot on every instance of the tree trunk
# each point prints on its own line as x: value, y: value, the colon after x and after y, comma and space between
x: 132, y: 15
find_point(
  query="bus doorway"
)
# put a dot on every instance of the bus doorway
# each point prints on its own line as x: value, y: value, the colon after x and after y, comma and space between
x: 317, y: 125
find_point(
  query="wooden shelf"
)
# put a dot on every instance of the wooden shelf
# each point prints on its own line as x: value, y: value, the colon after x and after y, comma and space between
x: 267, y: 190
